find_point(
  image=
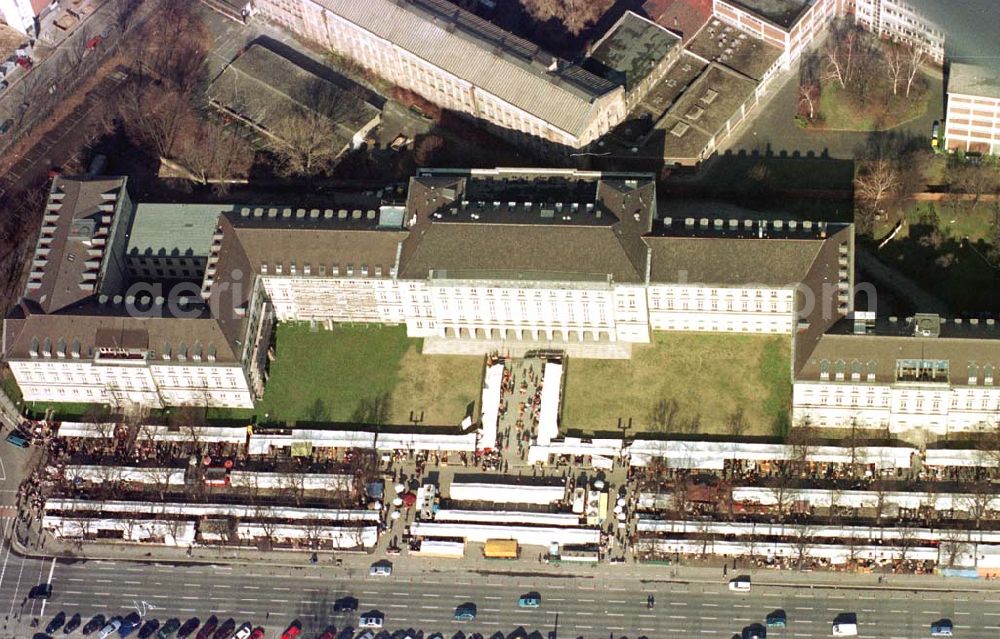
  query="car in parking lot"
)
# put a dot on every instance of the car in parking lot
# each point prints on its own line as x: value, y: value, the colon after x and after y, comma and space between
x: 225, y: 629
x: 149, y: 628
x: 19, y: 439
x: 169, y: 627
x: 465, y: 612
x: 346, y: 604
x: 293, y: 631
x: 210, y: 625
x: 73, y: 623
x: 373, y: 619
x: 56, y: 623
x: 243, y: 632
x: 97, y: 621
x: 942, y: 628
x: 258, y: 633
x: 129, y: 624
x: 112, y: 626
x: 530, y: 600
x: 188, y: 627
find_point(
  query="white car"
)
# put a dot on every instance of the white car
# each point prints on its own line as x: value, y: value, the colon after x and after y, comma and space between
x: 845, y: 630
x: 110, y: 629
x: 380, y: 570
x: 243, y: 632
x: 371, y: 620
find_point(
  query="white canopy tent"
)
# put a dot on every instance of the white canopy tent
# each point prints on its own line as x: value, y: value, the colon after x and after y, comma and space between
x: 492, y: 387
x: 524, y: 535
x: 168, y: 533
x: 506, y: 493
x: 297, y: 481
x: 548, y: 412
x: 508, y: 517
x: 219, y: 510
x: 102, y: 474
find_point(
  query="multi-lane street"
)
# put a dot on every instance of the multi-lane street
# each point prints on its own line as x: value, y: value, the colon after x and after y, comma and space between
x: 572, y: 606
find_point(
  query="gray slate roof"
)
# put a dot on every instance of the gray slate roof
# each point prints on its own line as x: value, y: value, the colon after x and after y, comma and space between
x: 480, y: 53
x: 731, y: 261
x: 971, y: 79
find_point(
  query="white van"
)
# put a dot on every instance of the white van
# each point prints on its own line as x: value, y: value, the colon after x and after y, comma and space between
x: 845, y: 630
x: 740, y: 584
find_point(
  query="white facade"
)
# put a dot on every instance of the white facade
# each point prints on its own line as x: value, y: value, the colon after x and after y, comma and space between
x: 18, y: 14
x: 396, y: 63
x: 937, y: 408
x: 972, y: 123
x: 149, y: 383
x: 897, y: 20
x: 737, y: 309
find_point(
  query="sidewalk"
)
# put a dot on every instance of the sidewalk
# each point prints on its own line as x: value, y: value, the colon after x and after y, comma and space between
x: 413, y: 569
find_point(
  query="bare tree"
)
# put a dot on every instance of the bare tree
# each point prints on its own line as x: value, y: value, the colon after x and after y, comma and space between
x: 802, y: 543
x: 913, y: 62
x: 574, y: 15
x: 896, y: 58
x: 840, y: 52
x: 954, y: 544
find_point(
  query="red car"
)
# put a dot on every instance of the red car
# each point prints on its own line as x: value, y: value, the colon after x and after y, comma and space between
x: 258, y: 633
x: 292, y: 632
x: 327, y: 635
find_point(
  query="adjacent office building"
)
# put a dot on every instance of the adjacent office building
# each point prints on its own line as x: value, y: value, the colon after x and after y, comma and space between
x: 972, y: 120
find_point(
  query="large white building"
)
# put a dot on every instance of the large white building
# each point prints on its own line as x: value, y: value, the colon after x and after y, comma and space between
x: 899, y: 20
x: 20, y: 14
x: 919, y: 373
x: 462, y: 63
x: 972, y: 120
x: 474, y: 260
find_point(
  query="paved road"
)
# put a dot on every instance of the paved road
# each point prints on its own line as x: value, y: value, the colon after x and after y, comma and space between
x: 573, y: 606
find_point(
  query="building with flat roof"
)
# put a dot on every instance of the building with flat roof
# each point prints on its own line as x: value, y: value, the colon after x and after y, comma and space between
x: 171, y: 241
x: 262, y: 89
x: 972, y: 118
x: 463, y: 63
x: 901, y: 21
x: 791, y: 25
x: 635, y: 53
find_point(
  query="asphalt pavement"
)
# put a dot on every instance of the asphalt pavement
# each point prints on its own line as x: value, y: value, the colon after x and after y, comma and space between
x: 574, y: 605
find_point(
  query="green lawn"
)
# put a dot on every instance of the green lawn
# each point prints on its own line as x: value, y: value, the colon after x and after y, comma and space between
x: 684, y: 383
x: 365, y: 374
x: 837, y: 113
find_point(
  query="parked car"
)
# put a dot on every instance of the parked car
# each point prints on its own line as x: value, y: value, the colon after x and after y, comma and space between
x: 373, y: 619
x: 18, y: 439
x: 530, y: 600
x: 328, y: 634
x: 73, y: 623
x: 293, y: 631
x: 243, y: 632
x: 97, y: 621
x: 258, y: 633
x: 942, y: 628
x: 188, y: 627
x: 56, y: 623
x: 149, y: 628
x: 225, y: 629
x: 171, y: 626
x: 129, y: 624
x: 755, y: 631
x: 465, y: 612
x: 210, y: 625
x: 380, y: 569
x: 346, y: 604
x: 112, y: 626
